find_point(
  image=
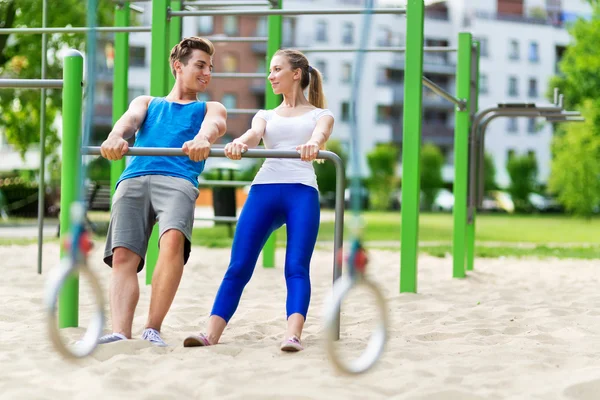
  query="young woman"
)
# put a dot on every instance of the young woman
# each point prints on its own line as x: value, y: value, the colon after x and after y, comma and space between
x: 283, y: 192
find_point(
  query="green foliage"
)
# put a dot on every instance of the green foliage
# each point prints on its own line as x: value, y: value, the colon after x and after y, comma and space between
x: 432, y: 161
x: 576, y: 164
x: 98, y: 170
x: 326, y: 171
x: 20, y: 58
x: 523, y: 176
x: 382, y: 163
x: 489, y: 173
x: 580, y: 63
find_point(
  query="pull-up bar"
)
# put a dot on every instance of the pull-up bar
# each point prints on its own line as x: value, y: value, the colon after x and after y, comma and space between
x: 284, y: 12
x: 31, y: 83
x: 432, y: 49
x: 226, y: 3
x: 114, y: 29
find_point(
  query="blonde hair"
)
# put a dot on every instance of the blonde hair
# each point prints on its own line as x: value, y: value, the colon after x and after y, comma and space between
x: 311, y: 78
x: 183, y: 50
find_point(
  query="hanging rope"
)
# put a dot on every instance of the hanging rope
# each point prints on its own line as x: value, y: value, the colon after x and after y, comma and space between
x: 357, y: 257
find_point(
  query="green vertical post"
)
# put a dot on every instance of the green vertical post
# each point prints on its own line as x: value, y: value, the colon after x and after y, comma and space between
x: 411, y: 144
x: 68, y: 300
x: 474, y: 105
x: 174, y: 36
x: 159, y: 68
x: 120, y: 86
x: 461, y: 155
x: 272, y: 100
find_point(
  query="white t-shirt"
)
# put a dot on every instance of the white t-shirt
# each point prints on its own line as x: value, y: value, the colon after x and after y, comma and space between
x: 286, y: 133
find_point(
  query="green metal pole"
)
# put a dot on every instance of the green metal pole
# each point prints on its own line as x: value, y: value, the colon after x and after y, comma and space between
x: 174, y: 36
x: 411, y: 145
x: 272, y: 100
x: 461, y: 155
x: 474, y: 105
x: 159, y: 68
x: 120, y: 79
x: 68, y: 300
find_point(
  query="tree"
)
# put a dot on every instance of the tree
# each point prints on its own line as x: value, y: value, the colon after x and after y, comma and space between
x: 489, y: 172
x: 382, y: 163
x: 579, y: 79
x: 432, y: 161
x: 20, y: 58
x: 575, y: 168
x: 523, y: 176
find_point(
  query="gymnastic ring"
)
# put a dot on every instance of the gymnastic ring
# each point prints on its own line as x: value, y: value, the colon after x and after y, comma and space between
x: 378, y: 339
x: 93, y: 333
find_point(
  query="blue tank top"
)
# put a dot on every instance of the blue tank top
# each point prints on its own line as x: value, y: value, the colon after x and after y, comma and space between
x: 167, y: 124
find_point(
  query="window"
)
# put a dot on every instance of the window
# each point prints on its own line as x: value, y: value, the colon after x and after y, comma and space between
x: 321, y: 31
x: 483, y: 47
x: 345, y: 111
x: 229, y: 101
x: 261, y: 65
x: 346, y: 72
x: 206, y: 24
x: 133, y: 92
x: 513, y: 50
x: 512, y: 125
x: 230, y: 25
x: 387, y: 76
x: 322, y: 67
x: 384, y: 36
x: 531, y: 125
x: 384, y: 114
x: 348, y: 33
x: 262, y: 27
x: 137, y: 56
x: 534, y: 52
x: 513, y: 86
x: 533, y: 88
x: 483, y: 84
x: 230, y: 62
x: 203, y: 96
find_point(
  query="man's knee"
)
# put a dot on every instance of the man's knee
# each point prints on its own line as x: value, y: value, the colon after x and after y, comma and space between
x: 125, y: 259
x: 172, y: 240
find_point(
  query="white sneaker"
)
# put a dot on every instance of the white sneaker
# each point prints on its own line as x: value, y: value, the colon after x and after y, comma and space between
x: 111, y: 337
x: 153, y: 336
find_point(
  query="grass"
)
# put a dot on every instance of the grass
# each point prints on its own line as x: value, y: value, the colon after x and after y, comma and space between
x: 498, y: 235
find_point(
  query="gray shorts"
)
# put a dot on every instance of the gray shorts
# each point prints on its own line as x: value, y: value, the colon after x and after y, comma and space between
x: 138, y: 203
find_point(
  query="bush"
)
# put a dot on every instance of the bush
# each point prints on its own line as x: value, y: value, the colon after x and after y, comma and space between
x: 431, y: 162
x: 382, y: 163
x: 523, y: 176
x: 326, y: 171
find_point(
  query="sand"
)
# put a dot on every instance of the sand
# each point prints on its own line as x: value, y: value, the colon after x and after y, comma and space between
x: 514, y: 329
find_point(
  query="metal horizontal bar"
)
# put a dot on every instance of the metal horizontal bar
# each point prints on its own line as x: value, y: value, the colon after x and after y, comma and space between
x: 286, y: 12
x: 239, y: 75
x: 177, y: 152
x: 225, y: 39
x: 115, y: 29
x: 31, y: 83
x: 565, y: 119
x: 216, y: 219
x: 461, y: 104
x: 137, y: 9
x: 209, y: 183
x: 226, y: 3
x: 242, y: 111
x: 373, y: 49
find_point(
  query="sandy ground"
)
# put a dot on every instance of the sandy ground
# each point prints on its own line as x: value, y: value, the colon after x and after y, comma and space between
x: 514, y: 329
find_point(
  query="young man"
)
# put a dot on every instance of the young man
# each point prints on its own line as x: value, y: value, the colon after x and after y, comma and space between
x: 157, y: 188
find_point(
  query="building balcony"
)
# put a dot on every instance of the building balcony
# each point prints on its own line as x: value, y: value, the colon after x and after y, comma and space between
x: 432, y: 64
x: 435, y: 132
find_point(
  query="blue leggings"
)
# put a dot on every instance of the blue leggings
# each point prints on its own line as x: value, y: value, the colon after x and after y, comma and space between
x: 268, y: 207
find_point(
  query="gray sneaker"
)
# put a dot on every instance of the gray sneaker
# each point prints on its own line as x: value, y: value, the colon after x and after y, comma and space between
x: 110, y: 338
x: 153, y: 336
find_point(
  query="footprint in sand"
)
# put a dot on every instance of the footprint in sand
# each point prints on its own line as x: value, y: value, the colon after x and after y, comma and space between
x: 584, y: 391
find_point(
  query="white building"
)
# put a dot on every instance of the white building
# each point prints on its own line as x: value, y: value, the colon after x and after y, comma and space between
x: 520, y: 51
